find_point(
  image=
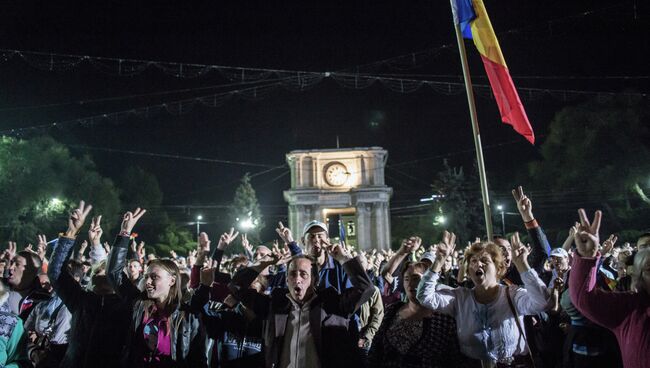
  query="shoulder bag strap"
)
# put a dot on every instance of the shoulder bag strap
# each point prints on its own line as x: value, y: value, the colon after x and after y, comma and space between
x: 521, y: 330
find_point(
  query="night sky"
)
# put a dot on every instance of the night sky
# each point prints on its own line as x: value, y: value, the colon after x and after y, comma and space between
x: 558, y: 45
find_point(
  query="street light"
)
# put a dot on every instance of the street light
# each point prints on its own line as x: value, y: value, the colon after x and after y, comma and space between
x: 198, y: 225
x: 247, y: 224
x: 440, y: 220
x: 503, y: 220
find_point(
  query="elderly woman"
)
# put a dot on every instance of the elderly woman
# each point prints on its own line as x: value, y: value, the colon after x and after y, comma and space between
x: 411, y: 335
x: 624, y: 313
x: 489, y: 316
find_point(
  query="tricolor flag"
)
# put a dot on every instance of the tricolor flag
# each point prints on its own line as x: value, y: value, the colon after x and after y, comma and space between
x: 475, y: 24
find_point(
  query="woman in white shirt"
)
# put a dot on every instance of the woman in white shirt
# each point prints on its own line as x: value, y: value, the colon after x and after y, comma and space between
x: 486, y: 324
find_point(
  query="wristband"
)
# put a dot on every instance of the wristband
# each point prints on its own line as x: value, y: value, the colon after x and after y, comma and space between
x: 125, y: 233
x: 531, y: 224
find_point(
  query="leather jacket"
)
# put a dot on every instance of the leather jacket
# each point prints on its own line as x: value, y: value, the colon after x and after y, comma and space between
x: 187, y: 333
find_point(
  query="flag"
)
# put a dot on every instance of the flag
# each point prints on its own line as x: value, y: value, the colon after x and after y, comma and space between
x: 475, y: 25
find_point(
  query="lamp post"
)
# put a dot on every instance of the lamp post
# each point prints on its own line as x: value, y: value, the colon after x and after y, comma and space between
x: 503, y: 220
x: 198, y: 225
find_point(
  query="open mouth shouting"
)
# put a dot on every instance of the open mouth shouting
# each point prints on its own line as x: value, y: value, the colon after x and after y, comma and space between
x: 298, y: 290
x: 480, y: 274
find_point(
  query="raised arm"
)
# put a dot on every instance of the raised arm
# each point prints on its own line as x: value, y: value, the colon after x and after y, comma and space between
x: 608, y: 309
x: 242, y: 280
x: 361, y: 289
x: 97, y: 252
x: 541, y: 249
x: 64, y: 285
x: 534, y: 297
x: 427, y: 295
x: 224, y: 241
x: 118, y: 257
x: 287, y: 237
x: 408, y: 247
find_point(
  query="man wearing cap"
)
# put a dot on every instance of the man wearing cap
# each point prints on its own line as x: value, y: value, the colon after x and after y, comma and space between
x: 316, y: 239
x: 559, y: 264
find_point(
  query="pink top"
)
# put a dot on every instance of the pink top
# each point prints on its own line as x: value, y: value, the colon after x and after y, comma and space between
x: 155, y: 324
x: 626, y: 314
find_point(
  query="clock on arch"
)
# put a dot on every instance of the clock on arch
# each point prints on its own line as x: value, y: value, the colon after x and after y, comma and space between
x: 335, y: 174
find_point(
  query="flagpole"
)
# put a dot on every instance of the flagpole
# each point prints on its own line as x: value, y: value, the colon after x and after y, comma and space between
x: 477, y: 135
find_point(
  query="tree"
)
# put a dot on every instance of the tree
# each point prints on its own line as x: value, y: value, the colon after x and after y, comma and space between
x: 597, y: 154
x: 140, y: 189
x: 460, y: 209
x: 245, y: 210
x: 40, y: 181
x: 175, y: 238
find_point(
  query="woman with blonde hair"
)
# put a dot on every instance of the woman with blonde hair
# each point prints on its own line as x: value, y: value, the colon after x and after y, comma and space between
x: 489, y: 316
x: 163, y: 333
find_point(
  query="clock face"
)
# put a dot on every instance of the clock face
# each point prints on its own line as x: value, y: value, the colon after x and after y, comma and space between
x: 336, y: 174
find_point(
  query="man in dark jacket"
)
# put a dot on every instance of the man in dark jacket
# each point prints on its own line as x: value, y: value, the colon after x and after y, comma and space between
x: 100, y: 319
x: 306, y: 327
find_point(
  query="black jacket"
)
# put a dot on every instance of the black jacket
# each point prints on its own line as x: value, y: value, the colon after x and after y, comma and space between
x: 98, y: 322
x: 238, y: 337
x: 329, y: 316
x: 187, y: 334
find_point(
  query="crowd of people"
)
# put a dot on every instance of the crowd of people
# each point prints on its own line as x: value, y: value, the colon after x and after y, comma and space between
x: 307, y: 301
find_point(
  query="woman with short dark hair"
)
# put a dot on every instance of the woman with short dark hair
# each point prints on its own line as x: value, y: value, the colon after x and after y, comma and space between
x: 412, y: 335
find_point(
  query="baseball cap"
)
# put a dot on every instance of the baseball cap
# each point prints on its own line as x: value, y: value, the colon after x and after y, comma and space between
x: 312, y: 224
x: 559, y: 252
x: 428, y: 256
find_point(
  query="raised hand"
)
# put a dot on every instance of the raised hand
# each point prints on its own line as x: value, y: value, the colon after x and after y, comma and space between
x: 339, y: 253
x: 587, y: 239
x: 191, y: 258
x: 524, y: 205
x: 130, y: 219
x: 10, y: 252
x: 41, y: 248
x: 608, y: 244
x: 227, y: 238
x: 574, y: 229
x: 140, y: 251
x: 95, y: 231
x: 246, y: 244
x: 410, y: 245
x: 207, y: 276
x: 107, y: 247
x: 284, y: 233
x: 446, y: 247
x: 203, y: 249
x: 82, y: 247
x: 284, y: 253
x: 173, y: 254
x: 76, y: 219
x: 519, y: 253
